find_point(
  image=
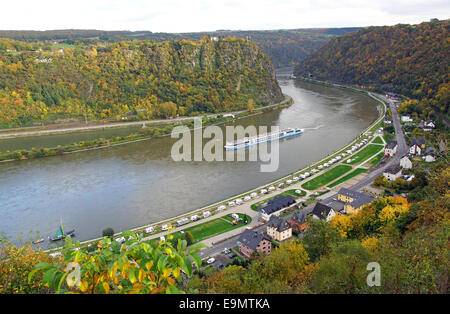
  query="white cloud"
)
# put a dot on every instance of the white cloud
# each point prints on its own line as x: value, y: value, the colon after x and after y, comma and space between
x: 202, y: 15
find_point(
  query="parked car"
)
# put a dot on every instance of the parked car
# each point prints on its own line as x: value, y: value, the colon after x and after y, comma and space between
x: 149, y: 230
x: 211, y: 260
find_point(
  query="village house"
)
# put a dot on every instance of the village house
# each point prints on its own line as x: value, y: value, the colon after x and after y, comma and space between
x: 429, y: 158
x: 392, y: 173
x: 251, y: 241
x: 323, y: 212
x: 427, y: 125
x: 278, y: 229
x: 353, y: 200
x: 406, y: 162
x: 298, y: 221
x: 387, y: 119
x: 276, y: 206
x: 406, y: 119
x: 417, y: 146
x: 391, y: 148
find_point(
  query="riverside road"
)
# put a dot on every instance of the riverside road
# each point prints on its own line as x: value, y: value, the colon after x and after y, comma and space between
x: 227, y: 240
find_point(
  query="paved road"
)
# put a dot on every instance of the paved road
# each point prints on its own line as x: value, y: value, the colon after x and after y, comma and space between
x: 50, y: 130
x: 402, y: 149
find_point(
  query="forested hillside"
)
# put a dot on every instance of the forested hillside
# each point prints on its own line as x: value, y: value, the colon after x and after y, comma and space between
x: 412, y: 60
x: 45, y: 81
x: 284, y: 47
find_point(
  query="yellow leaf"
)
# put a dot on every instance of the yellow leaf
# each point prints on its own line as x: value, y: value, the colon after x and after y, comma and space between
x: 176, y: 272
x: 149, y: 265
x: 105, y: 286
x: 170, y: 281
x: 141, y: 275
x: 166, y: 272
x: 84, y: 285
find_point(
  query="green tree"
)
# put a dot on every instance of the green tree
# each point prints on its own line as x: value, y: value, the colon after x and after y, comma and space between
x: 135, y: 266
x: 320, y: 238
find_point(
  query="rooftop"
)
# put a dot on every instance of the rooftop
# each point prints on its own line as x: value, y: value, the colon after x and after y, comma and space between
x: 321, y: 210
x: 251, y: 238
x: 393, y: 169
x: 278, y: 223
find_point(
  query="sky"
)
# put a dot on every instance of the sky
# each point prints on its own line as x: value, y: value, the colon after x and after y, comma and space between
x: 203, y: 15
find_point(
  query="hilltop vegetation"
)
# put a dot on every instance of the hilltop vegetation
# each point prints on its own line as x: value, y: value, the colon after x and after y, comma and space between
x: 284, y: 47
x: 412, y: 60
x: 42, y: 81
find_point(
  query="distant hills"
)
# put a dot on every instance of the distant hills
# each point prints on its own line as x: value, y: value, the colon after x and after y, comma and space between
x: 284, y: 47
x: 409, y: 59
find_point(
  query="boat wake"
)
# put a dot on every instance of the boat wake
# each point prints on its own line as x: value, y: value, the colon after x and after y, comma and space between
x: 314, y: 128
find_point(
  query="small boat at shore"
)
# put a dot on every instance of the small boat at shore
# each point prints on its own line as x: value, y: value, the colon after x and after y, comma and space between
x: 60, y: 234
x: 37, y: 241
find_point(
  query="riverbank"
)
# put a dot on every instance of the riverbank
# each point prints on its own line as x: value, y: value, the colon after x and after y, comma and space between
x: 212, y: 207
x: 146, y: 133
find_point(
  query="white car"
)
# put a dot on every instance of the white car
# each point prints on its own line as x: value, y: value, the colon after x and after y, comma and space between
x: 164, y: 227
x: 162, y: 238
x: 288, y: 181
x: 194, y: 218
x: 320, y: 167
x: 307, y: 174
x: 264, y: 191
x: 295, y: 179
x: 221, y: 207
x: 239, y: 201
x: 211, y: 260
x: 247, y: 198
x: 232, y: 203
x: 302, y: 176
x: 253, y: 195
x: 149, y: 230
x: 280, y: 185
x: 271, y: 188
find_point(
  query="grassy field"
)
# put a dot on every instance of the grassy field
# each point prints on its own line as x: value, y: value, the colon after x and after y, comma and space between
x: 212, y: 228
x: 365, y: 153
x: 347, y: 177
x: 378, y: 140
x: 285, y: 193
x: 377, y: 159
x: 327, y: 177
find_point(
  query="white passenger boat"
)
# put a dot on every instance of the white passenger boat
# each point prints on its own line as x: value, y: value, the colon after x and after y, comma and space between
x: 267, y: 137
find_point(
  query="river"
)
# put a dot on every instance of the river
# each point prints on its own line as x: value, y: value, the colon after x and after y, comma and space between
x: 135, y: 184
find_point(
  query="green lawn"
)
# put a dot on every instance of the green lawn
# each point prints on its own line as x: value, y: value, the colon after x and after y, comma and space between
x: 377, y: 158
x: 365, y: 153
x: 378, y: 140
x: 212, y: 228
x: 328, y: 176
x: 347, y: 177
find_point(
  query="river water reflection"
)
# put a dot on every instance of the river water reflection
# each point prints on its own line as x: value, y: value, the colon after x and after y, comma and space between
x: 136, y: 184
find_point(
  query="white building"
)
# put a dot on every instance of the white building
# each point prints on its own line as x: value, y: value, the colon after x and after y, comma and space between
x: 406, y: 119
x: 391, y: 148
x: 406, y: 162
x: 393, y: 173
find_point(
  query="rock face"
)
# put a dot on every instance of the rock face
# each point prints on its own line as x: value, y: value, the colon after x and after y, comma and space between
x: 144, y: 78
